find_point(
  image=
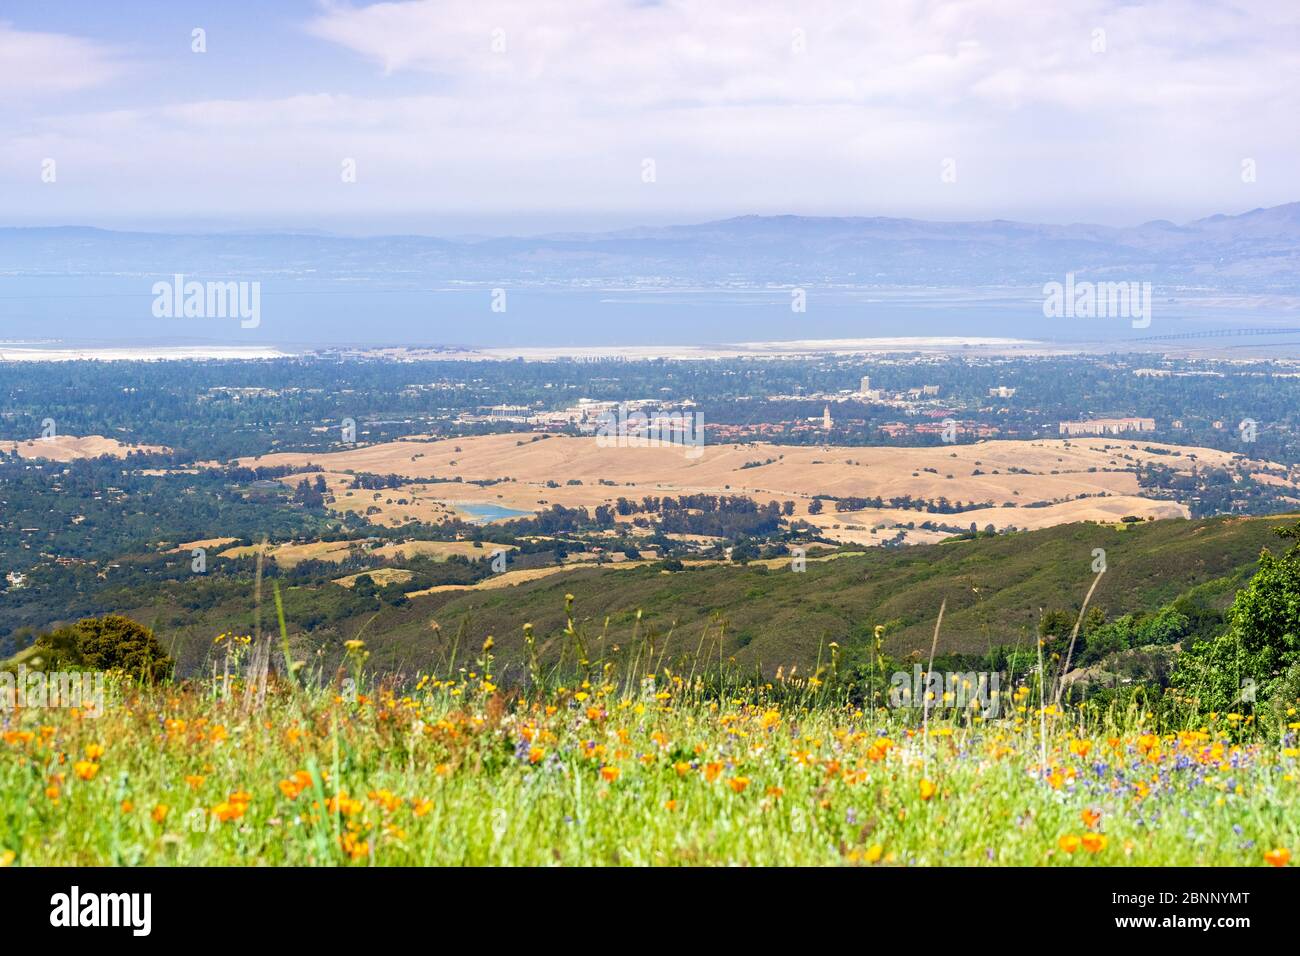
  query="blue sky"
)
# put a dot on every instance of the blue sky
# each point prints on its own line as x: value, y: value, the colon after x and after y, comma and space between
x: 522, y: 116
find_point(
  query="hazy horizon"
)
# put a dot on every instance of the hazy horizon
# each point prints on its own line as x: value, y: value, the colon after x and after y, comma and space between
x: 562, y: 224
x: 341, y: 159
x: 511, y: 118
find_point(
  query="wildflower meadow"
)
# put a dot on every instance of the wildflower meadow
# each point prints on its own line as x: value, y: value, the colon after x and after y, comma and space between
x: 259, y: 767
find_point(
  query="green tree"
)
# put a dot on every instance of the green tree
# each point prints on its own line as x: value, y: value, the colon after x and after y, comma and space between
x: 1056, y: 623
x: 1166, y: 626
x: 106, y: 643
x: 1095, y: 618
x: 1258, y: 657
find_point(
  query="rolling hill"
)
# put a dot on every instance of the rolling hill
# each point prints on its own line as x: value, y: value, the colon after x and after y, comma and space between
x: 1081, y: 479
x: 994, y: 588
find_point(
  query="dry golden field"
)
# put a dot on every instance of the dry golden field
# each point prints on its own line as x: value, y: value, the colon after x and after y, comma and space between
x: 72, y: 447
x: 289, y: 555
x: 205, y: 543
x: 438, y: 550
x: 416, y: 502
x: 1083, y: 479
x: 380, y: 576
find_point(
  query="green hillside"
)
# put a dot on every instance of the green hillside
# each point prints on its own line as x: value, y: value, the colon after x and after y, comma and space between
x: 995, y: 588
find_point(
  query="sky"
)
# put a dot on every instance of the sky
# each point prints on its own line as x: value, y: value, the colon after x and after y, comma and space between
x: 458, y: 117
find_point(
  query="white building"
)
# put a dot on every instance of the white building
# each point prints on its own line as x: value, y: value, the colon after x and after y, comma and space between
x: 1108, y: 426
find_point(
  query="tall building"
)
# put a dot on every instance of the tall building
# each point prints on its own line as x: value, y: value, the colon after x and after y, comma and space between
x: 865, y: 386
x: 826, y: 418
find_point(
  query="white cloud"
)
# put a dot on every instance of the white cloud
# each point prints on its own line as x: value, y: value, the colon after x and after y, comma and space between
x: 43, y: 64
x: 1039, y: 125
x: 602, y: 54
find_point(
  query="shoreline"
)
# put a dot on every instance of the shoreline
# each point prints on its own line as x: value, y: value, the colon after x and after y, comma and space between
x: 19, y: 352
x: 788, y: 349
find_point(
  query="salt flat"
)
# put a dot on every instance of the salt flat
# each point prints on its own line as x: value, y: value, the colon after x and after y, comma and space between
x: 12, y: 353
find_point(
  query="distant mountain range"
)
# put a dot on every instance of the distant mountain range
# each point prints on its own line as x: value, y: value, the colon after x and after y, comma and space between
x: 1254, y: 252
